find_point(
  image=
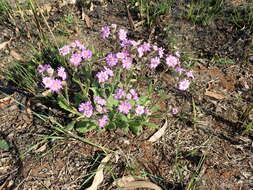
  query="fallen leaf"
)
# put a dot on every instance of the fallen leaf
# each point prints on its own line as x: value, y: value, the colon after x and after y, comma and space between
x: 99, y: 177
x: 130, y: 183
x: 159, y: 133
x: 215, y: 95
x: 87, y: 20
x: 5, y: 101
x: 16, y: 55
x: 4, y: 44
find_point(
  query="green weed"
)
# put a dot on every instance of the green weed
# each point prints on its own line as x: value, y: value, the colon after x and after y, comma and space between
x: 5, y: 10
x: 203, y: 12
x: 150, y: 10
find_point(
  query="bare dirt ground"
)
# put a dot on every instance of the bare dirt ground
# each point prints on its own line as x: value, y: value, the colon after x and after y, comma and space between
x: 204, y: 145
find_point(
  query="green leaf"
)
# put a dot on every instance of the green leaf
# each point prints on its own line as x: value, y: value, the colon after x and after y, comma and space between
x: 71, y: 125
x: 4, y: 145
x: 84, y: 126
x: 63, y: 103
x: 112, y: 102
x: 143, y: 100
x: 135, y: 127
x: 155, y: 108
x: 150, y: 125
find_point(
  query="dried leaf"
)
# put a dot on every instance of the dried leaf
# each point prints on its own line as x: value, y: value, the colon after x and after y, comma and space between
x: 215, y: 95
x: 98, y: 179
x: 130, y: 182
x: 5, y: 101
x: 159, y: 133
x: 4, y: 44
x: 87, y: 20
x: 16, y: 55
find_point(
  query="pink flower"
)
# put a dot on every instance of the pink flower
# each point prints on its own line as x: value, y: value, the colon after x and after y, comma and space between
x: 140, y: 51
x: 105, y: 32
x: 127, y: 62
x: 122, y: 34
x: 124, y: 107
x: 134, y: 94
x: 47, y: 81
x: 120, y: 93
x: 154, y: 62
x: 56, y: 85
x: 111, y: 60
x: 103, y: 121
x: 147, y: 111
x: 139, y: 110
x: 65, y: 50
x: 174, y: 111
x: 172, y: 61
x: 102, y: 76
x: 160, y: 52
x: 184, y: 84
x: 61, y: 73
x: 114, y: 26
x: 179, y: 70
x: 108, y: 71
x: 50, y: 71
x: 43, y: 68
x: 177, y: 53
x: 155, y: 47
x: 126, y: 43
x: 86, y: 109
x: 76, y: 59
x: 121, y: 55
x: 146, y: 46
x: 99, y: 100
x: 189, y: 74
x: 86, y: 54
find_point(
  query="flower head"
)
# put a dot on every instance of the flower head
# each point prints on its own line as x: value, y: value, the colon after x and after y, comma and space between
x: 56, y: 85
x: 65, y: 50
x: 105, y: 32
x: 124, y: 107
x: 47, y: 81
x: 134, y: 94
x: 108, y: 71
x: 86, y: 109
x: 174, y: 111
x: 127, y: 62
x: 102, y: 76
x: 161, y: 52
x: 190, y: 74
x: 172, y: 61
x: 111, y: 60
x: 184, y: 84
x: 139, y: 110
x: 43, y: 68
x: 86, y: 54
x: 154, y: 62
x: 99, y: 100
x: 76, y: 59
x: 61, y: 73
x: 179, y: 70
x: 120, y: 93
x: 103, y: 121
x: 122, y: 34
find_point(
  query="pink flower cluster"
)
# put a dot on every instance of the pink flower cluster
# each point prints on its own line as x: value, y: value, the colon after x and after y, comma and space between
x: 125, y: 106
x: 104, y: 75
x: 87, y: 109
x: 52, y: 79
x: 77, y: 51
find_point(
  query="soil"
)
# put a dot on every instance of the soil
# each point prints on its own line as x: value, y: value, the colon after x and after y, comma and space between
x: 203, y: 146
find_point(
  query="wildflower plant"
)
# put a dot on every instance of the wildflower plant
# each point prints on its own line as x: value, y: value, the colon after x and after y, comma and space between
x: 101, y: 92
